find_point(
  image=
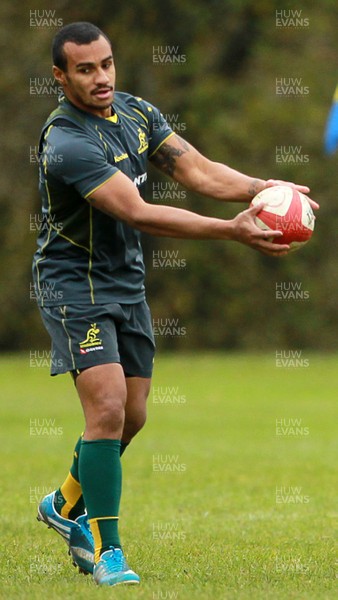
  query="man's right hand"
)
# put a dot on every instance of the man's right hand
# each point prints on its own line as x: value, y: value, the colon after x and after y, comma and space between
x: 247, y: 232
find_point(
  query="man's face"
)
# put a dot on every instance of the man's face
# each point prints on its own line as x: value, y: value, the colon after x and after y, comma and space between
x: 90, y: 77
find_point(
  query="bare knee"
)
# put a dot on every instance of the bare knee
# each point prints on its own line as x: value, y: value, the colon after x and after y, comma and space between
x: 136, y: 407
x: 133, y: 424
x: 103, y: 395
x: 107, y: 418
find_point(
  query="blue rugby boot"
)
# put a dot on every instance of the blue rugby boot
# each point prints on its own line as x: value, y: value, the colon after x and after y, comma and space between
x: 76, y: 534
x: 112, y: 569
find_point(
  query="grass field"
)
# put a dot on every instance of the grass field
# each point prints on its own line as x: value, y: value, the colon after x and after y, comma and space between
x: 220, y: 501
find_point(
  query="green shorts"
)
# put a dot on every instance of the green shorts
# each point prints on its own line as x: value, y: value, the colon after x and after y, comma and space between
x: 85, y: 336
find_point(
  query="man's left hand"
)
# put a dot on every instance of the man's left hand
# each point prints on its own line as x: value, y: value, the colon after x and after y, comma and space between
x: 300, y: 188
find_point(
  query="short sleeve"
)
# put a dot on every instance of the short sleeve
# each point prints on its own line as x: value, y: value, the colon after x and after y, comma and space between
x: 75, y: 159
x: 158, y: 128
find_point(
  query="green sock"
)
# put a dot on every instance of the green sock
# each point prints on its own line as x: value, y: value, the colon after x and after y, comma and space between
x: 123, y: 447
x: 101, y: 482
x: 60, y: 500
x: 68, y: 500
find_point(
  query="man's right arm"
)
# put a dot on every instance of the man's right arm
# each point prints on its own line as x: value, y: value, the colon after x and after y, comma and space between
x: 119, y: 198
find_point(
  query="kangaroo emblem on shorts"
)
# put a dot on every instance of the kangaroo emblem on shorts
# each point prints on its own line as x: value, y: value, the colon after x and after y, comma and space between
x: 91, y: 339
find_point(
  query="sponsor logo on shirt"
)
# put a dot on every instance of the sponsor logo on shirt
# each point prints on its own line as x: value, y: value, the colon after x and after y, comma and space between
x: 140, y: 179
x: 121, y: 157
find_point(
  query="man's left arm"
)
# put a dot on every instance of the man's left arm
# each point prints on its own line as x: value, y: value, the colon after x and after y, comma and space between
x: 181, y: 161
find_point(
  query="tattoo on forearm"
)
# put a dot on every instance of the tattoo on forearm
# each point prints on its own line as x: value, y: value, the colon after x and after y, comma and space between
x: 166, y: 155
x: 254, y: 187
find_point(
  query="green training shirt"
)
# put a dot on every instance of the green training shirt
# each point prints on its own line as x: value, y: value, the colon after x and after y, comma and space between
x: 84, y: 256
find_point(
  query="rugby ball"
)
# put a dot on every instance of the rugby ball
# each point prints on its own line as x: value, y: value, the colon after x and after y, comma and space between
x: 288, y: 211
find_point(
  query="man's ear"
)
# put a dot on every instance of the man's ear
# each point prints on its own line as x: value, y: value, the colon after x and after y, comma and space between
x: 59, y: 75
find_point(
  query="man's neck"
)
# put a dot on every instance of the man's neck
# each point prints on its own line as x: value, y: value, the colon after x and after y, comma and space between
x: 103, y: 114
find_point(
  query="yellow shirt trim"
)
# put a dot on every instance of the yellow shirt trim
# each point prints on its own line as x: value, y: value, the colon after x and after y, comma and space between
x: 101, y: 184
x: 159, y: 146
x: 141, y: 115
x: 113, y: 119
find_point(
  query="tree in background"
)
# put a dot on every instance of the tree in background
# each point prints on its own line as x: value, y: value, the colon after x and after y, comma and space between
x: 248, y: 83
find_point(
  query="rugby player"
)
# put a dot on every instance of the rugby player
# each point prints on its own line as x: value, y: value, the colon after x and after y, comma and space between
x: 94, y: 152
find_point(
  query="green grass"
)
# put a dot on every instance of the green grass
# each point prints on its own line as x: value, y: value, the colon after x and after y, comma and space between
x: 212, y: 530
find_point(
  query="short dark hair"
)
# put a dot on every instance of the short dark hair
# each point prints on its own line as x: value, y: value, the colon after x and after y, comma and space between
x: 79, y: 33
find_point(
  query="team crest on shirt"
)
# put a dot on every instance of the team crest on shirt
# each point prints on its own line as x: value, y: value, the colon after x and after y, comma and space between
x: 143, y: 141
x: 92, y: 342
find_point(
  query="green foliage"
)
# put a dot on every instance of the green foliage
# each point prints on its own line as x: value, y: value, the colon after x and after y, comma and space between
x: 223, y: 96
